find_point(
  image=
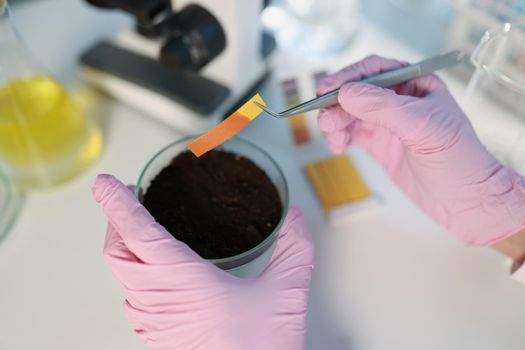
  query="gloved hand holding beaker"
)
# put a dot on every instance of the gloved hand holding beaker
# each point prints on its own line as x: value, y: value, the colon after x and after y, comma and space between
x: 177, y: 300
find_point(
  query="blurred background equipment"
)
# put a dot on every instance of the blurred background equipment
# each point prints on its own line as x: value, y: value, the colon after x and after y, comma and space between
x: 421, y: 24
x: 313, y: 30
x: 187, y: 63
x: 44, y: 137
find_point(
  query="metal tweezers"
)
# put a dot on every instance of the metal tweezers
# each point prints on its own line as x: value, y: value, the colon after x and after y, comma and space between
x: 384, y: 80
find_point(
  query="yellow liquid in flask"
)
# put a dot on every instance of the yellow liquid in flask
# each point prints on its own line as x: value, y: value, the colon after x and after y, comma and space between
x: 44, y: 138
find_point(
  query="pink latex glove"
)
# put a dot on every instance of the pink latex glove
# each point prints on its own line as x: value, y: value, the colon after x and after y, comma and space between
x: 177, y: 300
x: 428, y: 147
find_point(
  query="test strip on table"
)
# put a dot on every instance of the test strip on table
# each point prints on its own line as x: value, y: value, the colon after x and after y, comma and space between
x: 337, y: 182
x: 298, y: 123
x: 230, y: 126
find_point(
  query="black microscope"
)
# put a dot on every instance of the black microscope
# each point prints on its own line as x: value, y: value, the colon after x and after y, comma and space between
x: 186, y: 62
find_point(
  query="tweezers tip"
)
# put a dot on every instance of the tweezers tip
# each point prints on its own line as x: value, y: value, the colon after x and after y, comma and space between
x: 265, y: 109
x: 259, y: 105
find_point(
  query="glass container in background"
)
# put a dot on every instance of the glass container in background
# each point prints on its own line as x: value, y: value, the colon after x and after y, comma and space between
x: 312, y: 29
x: 470, y: 20
x: 10, y: 202
x: 44, y: 138
x: 419, y: 24
x: 252, y: 262
x: 495, y: 96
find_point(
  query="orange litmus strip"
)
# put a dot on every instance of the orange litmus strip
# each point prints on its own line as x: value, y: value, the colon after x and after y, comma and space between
x: 230, y: 126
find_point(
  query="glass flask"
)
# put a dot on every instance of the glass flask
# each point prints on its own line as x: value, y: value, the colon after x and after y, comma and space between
x: 44, y: 138
x: 495, y: 96
x: 252, y: 262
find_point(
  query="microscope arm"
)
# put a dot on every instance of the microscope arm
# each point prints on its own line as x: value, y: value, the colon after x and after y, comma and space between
x: 146, y: 12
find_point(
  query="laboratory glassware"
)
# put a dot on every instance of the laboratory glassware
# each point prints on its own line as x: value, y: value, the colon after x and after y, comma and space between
x: 252, y: 262
x: 495, y: 96
x: 45, y: 139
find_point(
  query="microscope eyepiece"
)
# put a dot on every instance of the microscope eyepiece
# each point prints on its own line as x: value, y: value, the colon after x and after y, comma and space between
x: 195, y: 37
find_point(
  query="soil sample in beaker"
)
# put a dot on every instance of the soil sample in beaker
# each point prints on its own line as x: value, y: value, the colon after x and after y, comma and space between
x: 220, y: 204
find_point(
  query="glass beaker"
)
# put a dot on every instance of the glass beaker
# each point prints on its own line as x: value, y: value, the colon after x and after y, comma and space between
x: 252, y: 262
x: 44, y: 138
x: 495, y: 96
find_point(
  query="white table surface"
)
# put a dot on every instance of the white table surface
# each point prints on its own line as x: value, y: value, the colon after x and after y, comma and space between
x: 389, y: 280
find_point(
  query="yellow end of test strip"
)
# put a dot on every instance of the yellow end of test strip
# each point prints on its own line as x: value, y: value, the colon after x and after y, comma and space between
x: 230, y: 126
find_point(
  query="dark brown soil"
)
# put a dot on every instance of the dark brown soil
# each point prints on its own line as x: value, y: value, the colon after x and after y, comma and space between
x: 220, y: 204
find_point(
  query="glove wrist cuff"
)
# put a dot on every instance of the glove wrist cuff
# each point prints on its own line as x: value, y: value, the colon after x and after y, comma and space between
x: 500, y: 212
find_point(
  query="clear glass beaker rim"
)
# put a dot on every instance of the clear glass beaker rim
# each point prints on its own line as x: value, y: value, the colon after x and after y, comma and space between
x: 10, y: 201
x: 494, y: 34
x: 271, y: 236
